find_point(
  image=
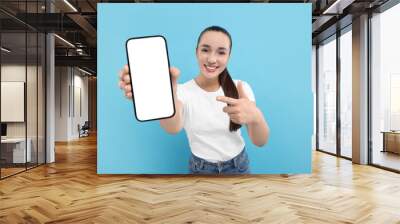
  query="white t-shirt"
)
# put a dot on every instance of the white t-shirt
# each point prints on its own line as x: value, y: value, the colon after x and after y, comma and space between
x: 206, y: 125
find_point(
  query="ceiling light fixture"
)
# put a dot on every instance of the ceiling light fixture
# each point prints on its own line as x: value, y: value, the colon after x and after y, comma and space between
x: 84, y: 71
x: 5, y: 50
x: 80, y: 51
x: 65, y: 41
x: 70, y: 5
x: 337, y: 7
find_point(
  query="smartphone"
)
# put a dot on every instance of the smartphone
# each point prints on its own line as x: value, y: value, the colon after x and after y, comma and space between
x: 150, y: 78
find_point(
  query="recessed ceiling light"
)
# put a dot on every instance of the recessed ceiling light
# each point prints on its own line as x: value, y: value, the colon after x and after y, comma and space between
x: 70, y: 5
x: 5, y: 50
x: 84, y: 71
x: 337, y: 7
x: 64, y: 40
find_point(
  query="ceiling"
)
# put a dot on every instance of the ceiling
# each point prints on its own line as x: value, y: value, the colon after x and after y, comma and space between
x: 76, y: 22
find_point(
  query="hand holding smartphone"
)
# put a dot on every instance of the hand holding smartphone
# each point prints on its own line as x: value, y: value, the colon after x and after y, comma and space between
x: 151, y: 84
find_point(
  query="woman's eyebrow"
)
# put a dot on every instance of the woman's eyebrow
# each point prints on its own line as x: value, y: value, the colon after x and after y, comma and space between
x: 208, y: 46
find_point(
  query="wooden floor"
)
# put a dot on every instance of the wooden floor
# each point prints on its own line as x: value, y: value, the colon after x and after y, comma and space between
x: 387, y: 159
x: 5, y: 172
x: 70, y: 191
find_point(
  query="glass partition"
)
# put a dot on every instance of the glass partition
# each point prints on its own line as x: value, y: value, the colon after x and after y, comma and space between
x: 22, y: 67
x: 13, y: 105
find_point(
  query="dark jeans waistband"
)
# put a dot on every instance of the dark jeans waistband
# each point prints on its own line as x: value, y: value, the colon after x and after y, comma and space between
x: 234, y: 161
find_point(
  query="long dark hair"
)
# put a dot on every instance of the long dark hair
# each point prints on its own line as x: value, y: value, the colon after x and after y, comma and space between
x: 225, y: 80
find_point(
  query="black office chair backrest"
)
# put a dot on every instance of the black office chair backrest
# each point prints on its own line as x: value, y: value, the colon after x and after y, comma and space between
x: 86, y: 125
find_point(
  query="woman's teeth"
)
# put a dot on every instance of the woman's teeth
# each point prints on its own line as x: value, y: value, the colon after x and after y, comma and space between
x: 211, y: 68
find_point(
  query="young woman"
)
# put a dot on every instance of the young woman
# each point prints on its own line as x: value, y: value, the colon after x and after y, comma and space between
x: 212, y: 108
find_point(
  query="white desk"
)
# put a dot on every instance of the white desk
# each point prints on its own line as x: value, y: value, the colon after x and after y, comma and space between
x: 19, y: 149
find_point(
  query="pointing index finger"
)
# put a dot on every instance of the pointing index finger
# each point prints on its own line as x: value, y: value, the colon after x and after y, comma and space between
x: 228, y: 100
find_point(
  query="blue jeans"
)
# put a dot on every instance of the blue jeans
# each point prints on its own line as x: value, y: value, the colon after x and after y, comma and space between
x: 237, y: 165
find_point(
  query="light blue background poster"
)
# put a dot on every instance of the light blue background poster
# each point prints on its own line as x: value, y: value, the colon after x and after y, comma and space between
x: 271, y: 51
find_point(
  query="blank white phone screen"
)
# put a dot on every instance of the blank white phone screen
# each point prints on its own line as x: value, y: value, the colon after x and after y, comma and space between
x: 150, y: 78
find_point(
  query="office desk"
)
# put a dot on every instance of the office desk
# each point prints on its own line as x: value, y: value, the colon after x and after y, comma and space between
x: 17, y: 149
x: 391, y: 141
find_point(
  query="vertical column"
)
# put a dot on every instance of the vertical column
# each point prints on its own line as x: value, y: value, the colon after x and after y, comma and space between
x: 314, y: 91
x: 360, y: 90
x: 50, y: 92
x: 338, y: 99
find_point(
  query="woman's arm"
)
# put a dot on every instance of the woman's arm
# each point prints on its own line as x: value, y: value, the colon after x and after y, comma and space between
x: 174, y: 124
x: 244, y: 111
x: 258, y: 130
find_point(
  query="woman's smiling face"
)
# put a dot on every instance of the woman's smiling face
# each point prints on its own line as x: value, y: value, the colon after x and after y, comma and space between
x: 213, y: 53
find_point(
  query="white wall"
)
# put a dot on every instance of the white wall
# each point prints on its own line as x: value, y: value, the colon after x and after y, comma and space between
x: 61, y: 103
x: 81, y: 84
x: 70, y: 83
x: 12, y: 101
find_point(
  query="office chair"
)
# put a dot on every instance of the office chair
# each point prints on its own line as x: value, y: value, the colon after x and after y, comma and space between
x: 84, y: 130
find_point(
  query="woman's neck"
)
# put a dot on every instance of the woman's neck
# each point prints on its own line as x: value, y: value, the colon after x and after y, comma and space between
x: 209, y: 85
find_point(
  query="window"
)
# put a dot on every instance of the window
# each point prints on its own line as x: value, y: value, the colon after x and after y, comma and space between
x: 385, y: 88
x: 346, y: 92
x: 327, y: 95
